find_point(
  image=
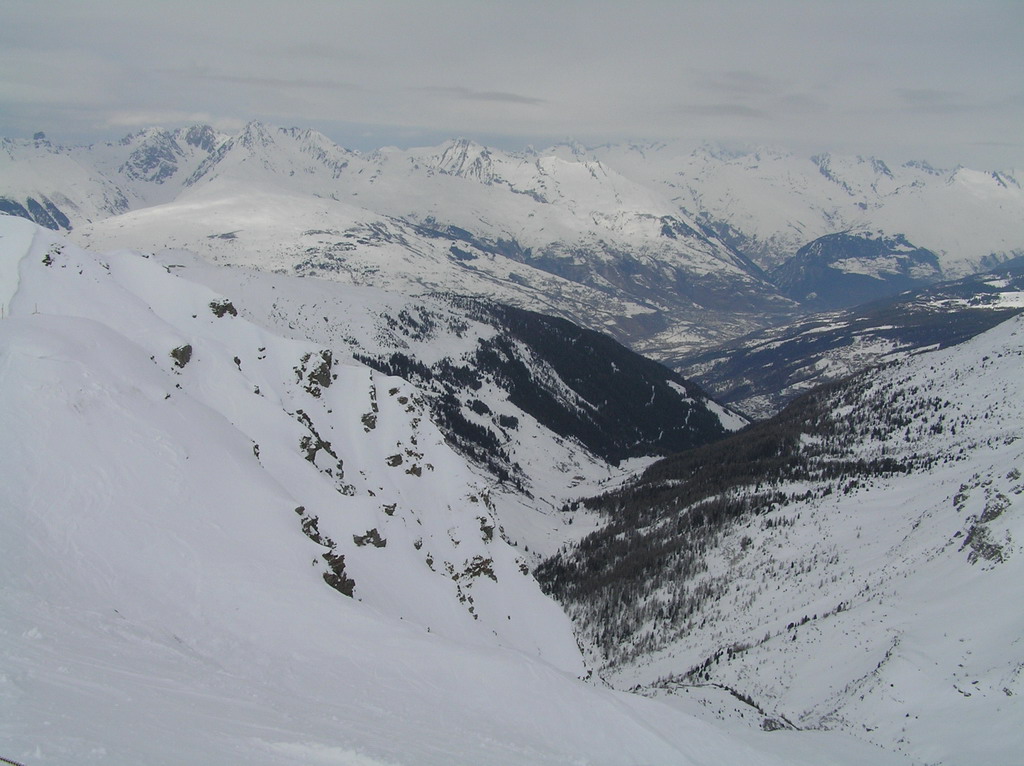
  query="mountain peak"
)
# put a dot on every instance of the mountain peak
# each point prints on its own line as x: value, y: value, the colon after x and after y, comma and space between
x: 465, y: 158
x: 255, y: 133
x: 200, y: 136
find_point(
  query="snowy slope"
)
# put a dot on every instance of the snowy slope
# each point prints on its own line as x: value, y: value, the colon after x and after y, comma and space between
x: 862, y: 569
x: 303, y: 419
x: 179, y: 486
x: 550, y: 408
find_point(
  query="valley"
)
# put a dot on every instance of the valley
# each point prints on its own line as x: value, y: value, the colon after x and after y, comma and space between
x: 620, y: 454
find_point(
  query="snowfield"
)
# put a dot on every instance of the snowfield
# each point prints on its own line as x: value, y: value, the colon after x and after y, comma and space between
x: 185, y: 496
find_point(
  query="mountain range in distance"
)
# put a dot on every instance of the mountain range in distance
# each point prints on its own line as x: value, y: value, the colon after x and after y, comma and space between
x: 668, y: 250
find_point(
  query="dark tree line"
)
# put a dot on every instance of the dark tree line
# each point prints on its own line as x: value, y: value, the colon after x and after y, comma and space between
x: 644, y: 567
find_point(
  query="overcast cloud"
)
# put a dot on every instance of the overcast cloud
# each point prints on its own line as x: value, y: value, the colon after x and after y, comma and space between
x: 900, y: 79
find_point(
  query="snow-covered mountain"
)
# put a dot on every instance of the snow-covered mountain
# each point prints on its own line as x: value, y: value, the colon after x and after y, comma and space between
x: 842, y: 270
x: 667, y: 250
x: 848, y: 565
x: 768, y: 203
x: 224, y: 540
x: 62, y: 187
x: 764, y: 371
x: 571, y: 238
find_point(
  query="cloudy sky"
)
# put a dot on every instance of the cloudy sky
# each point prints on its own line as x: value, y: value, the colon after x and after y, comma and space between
x: 900, y: 79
